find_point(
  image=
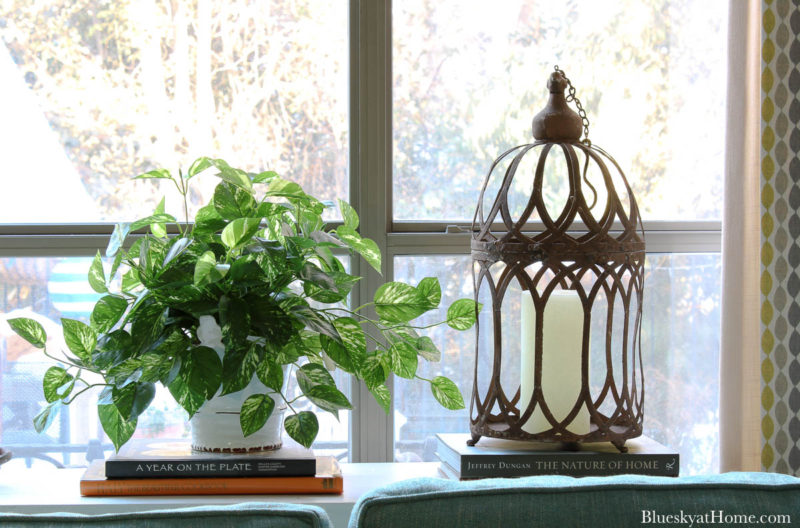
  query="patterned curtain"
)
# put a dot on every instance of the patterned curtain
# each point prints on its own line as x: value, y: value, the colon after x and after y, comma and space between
x: 780, y: 236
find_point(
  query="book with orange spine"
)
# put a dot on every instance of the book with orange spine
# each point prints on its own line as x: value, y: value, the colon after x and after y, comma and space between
x: 327, y: 480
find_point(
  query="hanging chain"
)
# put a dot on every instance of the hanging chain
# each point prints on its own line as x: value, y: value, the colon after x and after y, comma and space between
x: 581, y: 112
x: 585, y: 120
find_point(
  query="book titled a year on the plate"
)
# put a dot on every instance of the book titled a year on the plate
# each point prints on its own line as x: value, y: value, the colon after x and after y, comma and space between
x: 328, y: 479
x: 147, y: 458
x: 493, y: 457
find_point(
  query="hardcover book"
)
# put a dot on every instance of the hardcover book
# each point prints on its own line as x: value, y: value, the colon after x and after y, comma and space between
x: 328, y: 479
x: 153, y: 458
x: 494, y: 457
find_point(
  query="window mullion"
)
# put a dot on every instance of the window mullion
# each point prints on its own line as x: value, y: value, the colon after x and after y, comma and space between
x: 370, y: 167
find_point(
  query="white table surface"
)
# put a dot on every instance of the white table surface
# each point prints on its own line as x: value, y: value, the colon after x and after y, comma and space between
x: 47, y: 490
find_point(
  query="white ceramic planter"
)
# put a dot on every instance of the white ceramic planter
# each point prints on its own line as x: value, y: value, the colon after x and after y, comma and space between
x: 216, y: 427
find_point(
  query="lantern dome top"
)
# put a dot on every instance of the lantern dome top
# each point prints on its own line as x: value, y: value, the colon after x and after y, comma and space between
x: 596, y: 218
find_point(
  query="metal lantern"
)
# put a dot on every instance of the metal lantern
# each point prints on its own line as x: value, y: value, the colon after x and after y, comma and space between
x: 570, y: 370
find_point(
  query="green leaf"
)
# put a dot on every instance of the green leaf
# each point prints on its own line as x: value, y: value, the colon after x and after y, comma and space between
x: 177, y: 248
x: 302, y: 427
x: 446, y: 393
x: 29, y: 330
x: 234, y: 317
x: 162, y: 174
x: 154, y: 366
x: 238, y: 367
x: 286, y: 189
x: 158, y: 218
x: 118, y: 236
x: 427, y: 349
x: 207, y: 221
x: 147, y: 323
x: 382, y: 396
x: 107, y: 312
x: 231, y: 202
x: 240, y: 231
x: 188, y: 398
x: 349, y: 215
x: 268, y: 320
x: 311, y: 375
x: 398, y: 302
x: 271, y: 374
x: 124, y: 398
x: 351, y: 351
x: 322, y: 237
x: 115, y: 266
x: 255, y: 412
x: 201, y: 370
x: 265, y: 176
x: 289, y: 353
x: 316, y: 322
x: 246, y: 269
x: 112, y: 348
x: 44, y: 419
x: 338, y: 353
x: 363, y: 246
x: 198, y: 166
x: 145, y: 393
x: 206, y: 271
x: 328, y: 398
x: 462, y: 314
x: 311, y: 273
x: 130, y: 280
x: 159, y: 229
x: 404, y: 360
x: 118, y: 429
x: 401, y: 333
x: 374, y: 370
x: 271, y: 210
x: 236, y: 177
x: 431, y: 290
x: 352, y: 335
x: 80, y: 338
x: 97, y: 278
x: 54, y: 379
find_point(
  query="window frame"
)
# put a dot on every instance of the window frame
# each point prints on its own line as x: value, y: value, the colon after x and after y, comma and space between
x: 370, y: 181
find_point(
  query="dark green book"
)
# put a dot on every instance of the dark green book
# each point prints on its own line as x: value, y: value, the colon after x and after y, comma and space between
x: 494, y: 457
x: 153, y: 458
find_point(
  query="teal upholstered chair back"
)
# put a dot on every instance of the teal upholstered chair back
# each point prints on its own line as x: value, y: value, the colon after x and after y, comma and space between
x: 562, y: 502
x: 245, y: 515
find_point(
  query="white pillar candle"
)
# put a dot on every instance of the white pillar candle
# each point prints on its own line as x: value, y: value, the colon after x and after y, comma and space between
x: 562, y: 339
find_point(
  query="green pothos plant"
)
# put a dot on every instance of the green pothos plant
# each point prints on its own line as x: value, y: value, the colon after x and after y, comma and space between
x: 261, y: 261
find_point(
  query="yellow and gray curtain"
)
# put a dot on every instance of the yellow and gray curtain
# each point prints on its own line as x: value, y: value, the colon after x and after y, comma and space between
x: 780, y: 236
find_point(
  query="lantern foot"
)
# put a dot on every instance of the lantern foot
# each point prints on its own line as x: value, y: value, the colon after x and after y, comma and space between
x: 474, y: 440
x: 620, y: 444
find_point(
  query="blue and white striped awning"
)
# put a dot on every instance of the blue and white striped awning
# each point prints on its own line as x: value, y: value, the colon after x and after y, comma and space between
x: 69, y: 290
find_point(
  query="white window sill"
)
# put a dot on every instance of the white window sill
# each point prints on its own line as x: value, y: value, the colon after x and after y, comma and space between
x: 56, y: 490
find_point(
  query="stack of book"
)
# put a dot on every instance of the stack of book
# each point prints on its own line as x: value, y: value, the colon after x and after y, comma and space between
x: 493, y: 457
x: 158, y: 467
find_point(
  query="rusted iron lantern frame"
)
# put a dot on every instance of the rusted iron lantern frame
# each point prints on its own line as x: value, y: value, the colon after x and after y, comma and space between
x: 608, y: 255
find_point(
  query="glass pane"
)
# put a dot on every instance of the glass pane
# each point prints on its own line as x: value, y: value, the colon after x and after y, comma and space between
x: 651, y: 76
x: 680, y: 348
x: 96, y: 92
x: 48, y: 289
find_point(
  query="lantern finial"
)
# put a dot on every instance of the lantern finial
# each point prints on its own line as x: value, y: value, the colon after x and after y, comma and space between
x: 557, y: 121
